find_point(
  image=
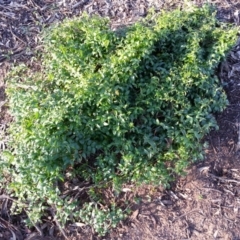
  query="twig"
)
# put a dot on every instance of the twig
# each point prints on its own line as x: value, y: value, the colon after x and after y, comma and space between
x: 8, y: 15
x: 6, y: 225
x: 228, y: 219
x: 36, y: 226
x: 4, y: 7
x: 238, y: 143
x: 212, y: 189
x: 79, y: 3
x: 17, y: 36
x: 224, y: 179
x: 228, y: 191
x: 194, y: 210
x: 13, y: 235
x: 58, y: 224
x: 3, y: 196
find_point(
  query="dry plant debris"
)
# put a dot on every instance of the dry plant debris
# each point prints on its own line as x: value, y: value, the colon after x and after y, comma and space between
x: 203, y: 205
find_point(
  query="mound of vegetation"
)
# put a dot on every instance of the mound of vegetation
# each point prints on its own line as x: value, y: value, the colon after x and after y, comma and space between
x: 111, y: 107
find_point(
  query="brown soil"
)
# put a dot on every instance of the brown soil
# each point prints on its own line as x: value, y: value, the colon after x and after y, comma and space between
x: 204, y: 204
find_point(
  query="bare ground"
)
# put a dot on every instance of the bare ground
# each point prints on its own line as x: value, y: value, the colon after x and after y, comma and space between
x: 204, y: 204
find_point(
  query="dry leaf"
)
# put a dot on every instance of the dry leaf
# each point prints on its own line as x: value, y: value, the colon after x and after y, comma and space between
x: 135, y: 214
x: 78, y: 224
x: 126, y: 190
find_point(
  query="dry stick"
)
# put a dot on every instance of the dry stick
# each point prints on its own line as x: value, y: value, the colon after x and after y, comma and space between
x: 238, y: 143
x: 3, y: 196
x: 187, y: 231
x: 34, y: 5
x: 213, y: 146
x: 4, y: 7
x: 5, y: 225
x: 228, y: 219
x: 17, y: 36
x: 79, y: 3
x: 8, y: 15
x: 212, y: 189
x: 58, y: 224
x: 224, y: 179
x: 35, y: 225
x: 194, y: 210
x: 13, y: 235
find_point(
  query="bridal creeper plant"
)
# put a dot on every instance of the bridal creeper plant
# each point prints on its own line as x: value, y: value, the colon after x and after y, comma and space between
x: 130, y: 105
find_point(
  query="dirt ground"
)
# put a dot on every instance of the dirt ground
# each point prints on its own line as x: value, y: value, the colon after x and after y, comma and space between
x: 204, y: 204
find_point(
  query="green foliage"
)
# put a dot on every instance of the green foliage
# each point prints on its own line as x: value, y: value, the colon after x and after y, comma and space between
x: 131, y: 105
x: 101, y: 220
